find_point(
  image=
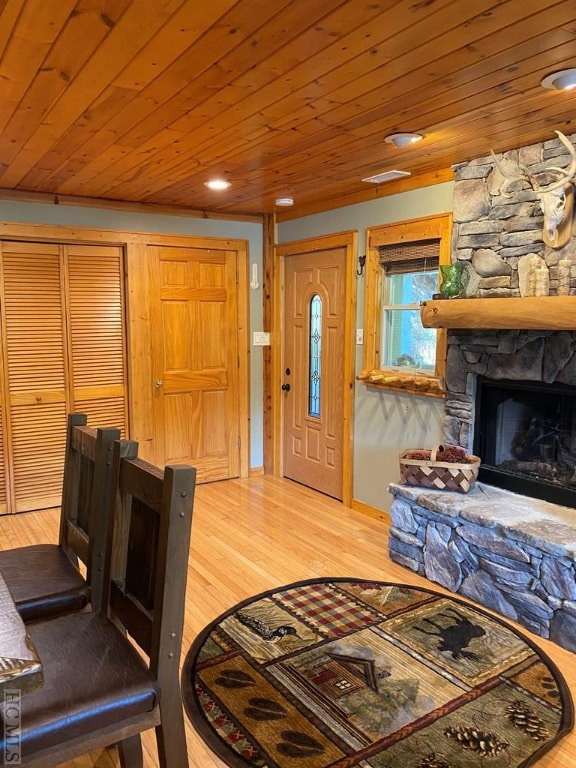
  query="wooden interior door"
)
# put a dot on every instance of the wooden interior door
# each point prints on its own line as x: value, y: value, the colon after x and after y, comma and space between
x: 63, y: 350
x: 313, y: 411
x: 194, y: 313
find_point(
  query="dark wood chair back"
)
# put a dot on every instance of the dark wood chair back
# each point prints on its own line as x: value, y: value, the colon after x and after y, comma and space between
x: 149, y: 545
x: 99, y: 689
x: 52, y: 579
x: 86, y: 498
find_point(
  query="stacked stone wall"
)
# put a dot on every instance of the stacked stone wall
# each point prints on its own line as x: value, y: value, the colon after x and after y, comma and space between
x: 496, y: 235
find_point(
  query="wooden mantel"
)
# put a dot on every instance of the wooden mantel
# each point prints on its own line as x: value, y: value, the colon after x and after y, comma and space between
x: 533, y: 313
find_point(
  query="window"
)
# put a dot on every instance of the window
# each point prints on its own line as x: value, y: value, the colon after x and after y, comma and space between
x: 315, y: 356
x: 401, y: 272
x: 410, y: 275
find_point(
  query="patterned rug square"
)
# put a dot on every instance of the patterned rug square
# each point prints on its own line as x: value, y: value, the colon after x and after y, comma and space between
x: 336, y: 673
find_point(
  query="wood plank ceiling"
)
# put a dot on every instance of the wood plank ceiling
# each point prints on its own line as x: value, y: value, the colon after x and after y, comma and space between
x: 145, y: 100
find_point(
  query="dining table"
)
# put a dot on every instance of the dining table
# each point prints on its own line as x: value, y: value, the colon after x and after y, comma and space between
x: 20, y: 665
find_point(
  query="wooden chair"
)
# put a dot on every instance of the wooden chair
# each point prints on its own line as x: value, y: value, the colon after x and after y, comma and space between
x: 98, y: 689
x: 46, y: 580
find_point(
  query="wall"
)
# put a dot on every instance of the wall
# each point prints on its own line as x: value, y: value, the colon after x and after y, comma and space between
x: 124, y: 221
x: 384, y: 422
x: 498, y: 233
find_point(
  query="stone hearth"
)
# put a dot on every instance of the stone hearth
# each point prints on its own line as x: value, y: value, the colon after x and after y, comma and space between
x: 494, y: 547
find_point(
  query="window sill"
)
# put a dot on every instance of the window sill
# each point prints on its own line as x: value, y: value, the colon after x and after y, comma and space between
x: 410, y: 383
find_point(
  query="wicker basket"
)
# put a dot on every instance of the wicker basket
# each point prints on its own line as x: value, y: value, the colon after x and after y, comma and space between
x: 440, y: 475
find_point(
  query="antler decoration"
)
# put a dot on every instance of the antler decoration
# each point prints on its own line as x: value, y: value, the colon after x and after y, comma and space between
x: 519, y: 172
x: 556, y: 197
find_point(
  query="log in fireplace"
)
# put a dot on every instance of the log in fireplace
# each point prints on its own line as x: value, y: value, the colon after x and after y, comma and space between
x: 525, y: 434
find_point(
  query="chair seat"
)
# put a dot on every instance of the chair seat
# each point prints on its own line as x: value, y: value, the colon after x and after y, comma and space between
x: 42, y: 581
x: 93, y: 679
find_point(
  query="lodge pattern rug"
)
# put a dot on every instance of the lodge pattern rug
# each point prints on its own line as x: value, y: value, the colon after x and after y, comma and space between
x: 343, y: 673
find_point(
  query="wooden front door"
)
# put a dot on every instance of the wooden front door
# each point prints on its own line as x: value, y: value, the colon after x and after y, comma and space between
x: 195, y: 359
x: 313, y: 370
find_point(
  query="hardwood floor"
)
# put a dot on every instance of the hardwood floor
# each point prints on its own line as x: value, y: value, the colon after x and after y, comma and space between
x: 252, y: 535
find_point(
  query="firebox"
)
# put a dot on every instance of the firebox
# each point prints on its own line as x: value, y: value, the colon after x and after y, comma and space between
x: 525, y: 435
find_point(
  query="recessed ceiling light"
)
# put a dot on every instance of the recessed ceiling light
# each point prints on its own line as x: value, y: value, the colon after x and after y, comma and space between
x: 217, y: 184
x: 386, y: 176
x: 403, y: 139
x: 564, y: 80
x: 286, y: 201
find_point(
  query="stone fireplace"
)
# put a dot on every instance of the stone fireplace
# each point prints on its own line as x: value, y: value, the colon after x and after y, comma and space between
x: 511, y: 548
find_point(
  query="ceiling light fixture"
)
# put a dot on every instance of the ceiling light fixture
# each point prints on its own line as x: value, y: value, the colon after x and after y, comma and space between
x: 403, y: 139
x: 285, y: 201
x: 217, y: 184
x: 564, y: 80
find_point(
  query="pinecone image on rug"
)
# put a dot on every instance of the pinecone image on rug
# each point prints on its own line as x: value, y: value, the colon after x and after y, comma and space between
x: 525, y: 719
x: 481, y: 742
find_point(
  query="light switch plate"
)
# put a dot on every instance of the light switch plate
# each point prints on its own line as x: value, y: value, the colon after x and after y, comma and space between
x: 261, y: 339
x: 359, y: 335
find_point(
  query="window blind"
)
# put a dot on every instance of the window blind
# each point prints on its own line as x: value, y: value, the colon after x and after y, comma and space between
x: 400, y: 258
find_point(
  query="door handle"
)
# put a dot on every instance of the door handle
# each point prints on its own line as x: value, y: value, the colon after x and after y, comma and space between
x: 158, y: 383
x: 286, y: 387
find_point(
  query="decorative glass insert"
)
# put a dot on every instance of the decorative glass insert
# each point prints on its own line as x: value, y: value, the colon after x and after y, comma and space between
x: 314, y: 356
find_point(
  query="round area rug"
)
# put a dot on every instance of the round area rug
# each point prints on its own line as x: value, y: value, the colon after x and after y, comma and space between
x: 344, y: 672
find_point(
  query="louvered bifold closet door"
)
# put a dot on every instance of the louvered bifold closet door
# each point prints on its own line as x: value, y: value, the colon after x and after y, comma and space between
x: 97, y: 351
x: 35, y: 378
x: 63, y: 351
x: 3, y: 458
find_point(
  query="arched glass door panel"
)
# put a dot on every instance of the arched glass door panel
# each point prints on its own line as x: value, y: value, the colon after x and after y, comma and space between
x: 315, y: 356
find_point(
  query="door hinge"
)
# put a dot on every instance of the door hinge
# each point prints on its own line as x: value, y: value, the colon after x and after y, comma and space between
x: 239, y: 442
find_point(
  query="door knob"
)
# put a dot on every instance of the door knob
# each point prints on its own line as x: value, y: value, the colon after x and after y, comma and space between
x: 286, y: 387
x: 158, y: 383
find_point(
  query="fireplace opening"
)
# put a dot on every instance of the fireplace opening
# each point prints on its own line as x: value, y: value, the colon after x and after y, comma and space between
x: 525, y: 435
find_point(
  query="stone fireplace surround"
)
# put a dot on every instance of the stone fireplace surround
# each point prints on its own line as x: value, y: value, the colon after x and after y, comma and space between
x: 512, y: 553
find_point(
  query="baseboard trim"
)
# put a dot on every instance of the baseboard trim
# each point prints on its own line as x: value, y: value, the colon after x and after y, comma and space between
x: 366, y: 509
